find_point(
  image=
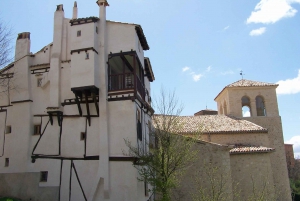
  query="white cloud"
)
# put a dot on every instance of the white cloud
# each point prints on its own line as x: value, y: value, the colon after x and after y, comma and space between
x: 257, y: 32
x: 246, y: 114
x: 296, y: 142
x: 185, y: 69
x: 196, y: 77
x: 225, y: 28
x: 289, y: 86
x: 208, y: 68
x: 271, y: 11
x: 229, y: 72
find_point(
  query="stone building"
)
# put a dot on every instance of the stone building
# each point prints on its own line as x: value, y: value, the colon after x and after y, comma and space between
x: 246, y: 152
x: 73, y: 103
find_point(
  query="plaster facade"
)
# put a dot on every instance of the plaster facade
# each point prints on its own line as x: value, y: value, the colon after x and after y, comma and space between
x: 66, y: 122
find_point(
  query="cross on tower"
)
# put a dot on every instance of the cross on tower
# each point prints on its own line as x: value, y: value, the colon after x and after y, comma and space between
x: 242, y: 74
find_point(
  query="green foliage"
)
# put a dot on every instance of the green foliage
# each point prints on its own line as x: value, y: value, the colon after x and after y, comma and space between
x: 9, y: 199
x: 295, y: 187
x: 167, y: 153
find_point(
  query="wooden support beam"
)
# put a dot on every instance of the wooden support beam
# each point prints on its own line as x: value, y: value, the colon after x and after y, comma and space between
x: 87, y: 107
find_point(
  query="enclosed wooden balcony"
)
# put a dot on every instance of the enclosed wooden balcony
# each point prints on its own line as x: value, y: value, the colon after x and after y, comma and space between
x: 125, y: 77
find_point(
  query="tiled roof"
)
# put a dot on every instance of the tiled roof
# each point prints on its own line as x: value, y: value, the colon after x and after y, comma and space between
x: 209, y: 124
x: 247, y: 83
x: 250, y: 149
x: 250, y: 83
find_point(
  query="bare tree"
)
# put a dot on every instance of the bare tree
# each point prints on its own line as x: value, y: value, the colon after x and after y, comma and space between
x: 212, y: 184
x: 5, y: 44
x: 170, y: 153
x: 6, y: 57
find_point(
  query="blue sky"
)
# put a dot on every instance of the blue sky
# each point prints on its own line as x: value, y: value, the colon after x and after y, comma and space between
x: 197, y: 46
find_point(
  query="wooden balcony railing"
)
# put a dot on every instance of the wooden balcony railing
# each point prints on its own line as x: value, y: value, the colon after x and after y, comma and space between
x: 119, y: 82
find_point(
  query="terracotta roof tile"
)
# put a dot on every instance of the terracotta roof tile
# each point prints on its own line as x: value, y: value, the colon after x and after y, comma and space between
x: 250, y: 83
x: 211, y: 124
x: 247, y: 83
x: 250, y: 149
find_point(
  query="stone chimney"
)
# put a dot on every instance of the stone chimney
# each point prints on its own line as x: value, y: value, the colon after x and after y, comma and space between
x: 55, y: 66
x: 75, y: 11
x: 22, y: 45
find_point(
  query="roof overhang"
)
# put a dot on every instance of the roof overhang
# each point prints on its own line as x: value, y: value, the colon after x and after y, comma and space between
x: 148, y: 69
x: 142, y: 37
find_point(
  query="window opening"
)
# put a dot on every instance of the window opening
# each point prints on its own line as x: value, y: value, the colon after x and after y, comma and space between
x: 97, y: 30
x: 139, y: 125
x: 8, y: 129
x: 44, y: 176
x: 79, y: 33
x: 246, y: 111
x: 146, y: 188
x: 82, y: 136
x: 260, y: 106
x: 37, y: 130
x: 246, y: 108
x: 87, y: 56
x: 39, y: 82
x: 6, y: 162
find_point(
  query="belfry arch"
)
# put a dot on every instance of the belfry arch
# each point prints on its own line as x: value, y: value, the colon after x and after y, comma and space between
x: 260, y: 106
x: 246, y: 107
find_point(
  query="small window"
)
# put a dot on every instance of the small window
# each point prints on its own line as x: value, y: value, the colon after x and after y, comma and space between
x: 37, y: 130
x: 82, y: 136
x: 39, y: 82
x: 146, y: 188
x: 6, y: 162
x: 79, y: 33
x: 139, y: 126
x: 97, y: 30
x: 44, y: 176
x: 8, y: 129
x: 87, y: 56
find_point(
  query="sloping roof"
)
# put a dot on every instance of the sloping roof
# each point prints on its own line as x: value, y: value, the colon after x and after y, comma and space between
x: 250, y: 83
x: 247, y: 83
x: 212, y: 124
x: 250, y: 149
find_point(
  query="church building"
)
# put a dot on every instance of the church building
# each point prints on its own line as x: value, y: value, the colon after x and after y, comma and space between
x: 242, y: 156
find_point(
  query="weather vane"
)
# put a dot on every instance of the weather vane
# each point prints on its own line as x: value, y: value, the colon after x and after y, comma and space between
x: 242, y: 74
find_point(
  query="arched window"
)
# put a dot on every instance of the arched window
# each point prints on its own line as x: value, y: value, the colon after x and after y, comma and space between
x: 246, y: 108
x: 260, y: 106
x: 225, y: 108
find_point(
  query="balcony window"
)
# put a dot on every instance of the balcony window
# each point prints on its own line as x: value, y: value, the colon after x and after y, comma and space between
x: 126, y: 73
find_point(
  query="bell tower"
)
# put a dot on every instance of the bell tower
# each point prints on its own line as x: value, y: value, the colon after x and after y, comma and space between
x: 246, y: 98
x: 257, y: 102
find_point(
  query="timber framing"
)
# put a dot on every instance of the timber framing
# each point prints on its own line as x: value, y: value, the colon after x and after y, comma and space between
x: 6, y: 75
x: 83, y: 49
x: 82, y: 95
x: 21, y: 101
x: 86, y: 20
